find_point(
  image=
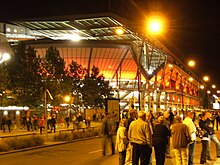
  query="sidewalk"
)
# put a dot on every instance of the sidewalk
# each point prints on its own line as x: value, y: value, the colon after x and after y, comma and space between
x: 114, y: 159
x: 23, y: 132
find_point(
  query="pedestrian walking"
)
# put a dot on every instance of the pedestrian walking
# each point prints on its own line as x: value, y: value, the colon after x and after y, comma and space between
x: 160, y: 140
x: 180, y: 140
x: 53, y: 123
x: 67, y: 119
x: 9, y: 123
x: 42, y: 124
x: 212, y: 136
x: 107, y: 131
x: 217, y: 120
x: 121, y: 141
x: 140, y: 136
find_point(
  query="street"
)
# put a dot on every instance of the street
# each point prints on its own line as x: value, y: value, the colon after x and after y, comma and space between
x: 87, y: 152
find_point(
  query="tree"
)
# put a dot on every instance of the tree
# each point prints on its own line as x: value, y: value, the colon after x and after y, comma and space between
x: 24, y: 79
x: 95, y: 89
x: 73, y: 81
x: 53, y: 73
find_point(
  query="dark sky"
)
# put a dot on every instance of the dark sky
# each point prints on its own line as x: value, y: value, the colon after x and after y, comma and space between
x: 193, y: 26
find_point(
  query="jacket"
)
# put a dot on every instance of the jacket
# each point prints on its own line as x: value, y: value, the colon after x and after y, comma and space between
x: 180, y: 135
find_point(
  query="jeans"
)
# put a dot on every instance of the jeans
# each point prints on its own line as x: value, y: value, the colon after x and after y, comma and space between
x: 214, y: 138
x: 142, y: 152
x: 128, y: 154
x: 203, y: 156
x: 122, y: 156
x: 106, y: 139
x: 191, y: 150
x: 181, y: 156
x: 160, y: 151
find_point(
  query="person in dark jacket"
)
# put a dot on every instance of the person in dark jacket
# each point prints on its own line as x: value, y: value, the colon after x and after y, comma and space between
x: 9, y: 123
x: 53, y: 123
x: 205, y: 138
x: 160, y: 140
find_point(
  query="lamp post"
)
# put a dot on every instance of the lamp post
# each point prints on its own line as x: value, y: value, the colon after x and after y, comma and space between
x: 154, y: 26
x: 46, y: 91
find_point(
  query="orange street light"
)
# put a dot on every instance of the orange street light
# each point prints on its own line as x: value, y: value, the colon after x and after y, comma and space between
x: 155, y: 25
x: 119, y: 31
x: 206, y: 78
x: 191, y: 63
x: 202, y: 86
x: 67, y: 98
x: 213, y: 86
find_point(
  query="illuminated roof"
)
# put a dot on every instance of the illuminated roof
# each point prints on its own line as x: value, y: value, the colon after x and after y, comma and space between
x: 99, y: 43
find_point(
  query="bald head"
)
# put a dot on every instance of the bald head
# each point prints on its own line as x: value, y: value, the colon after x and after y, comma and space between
x: 166, y: 114
x: 190, y: 114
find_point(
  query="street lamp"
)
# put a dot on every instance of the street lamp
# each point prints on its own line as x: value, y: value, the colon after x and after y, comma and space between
x: 191, y: 63
x: 213, y: 86
x: 155, y: 25
x: 5, y: 49
x: 206, y: 78
x: 46, y: 91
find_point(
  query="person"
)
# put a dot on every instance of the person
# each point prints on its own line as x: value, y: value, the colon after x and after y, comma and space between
x: 180, y: 139
x: 42, y: 124
x: 9, y: 123
x: 188, y: 121
x: 160, y: 140
x: 140, y: 137
x: 62, y: 122
x: 88, y: 122
x: 35, y: 122
x: 74, y: 119
x: 67, y: 119
x: 53, y: 123
x: 133, y: 116
x: 121, y: 141
x: 217, y: 120
x: 167, y: 123
x: 212, y: 136
x: 171, y: 116
x: 149, y: 120
x: 204, y: 139
x: 28, y: 122
x: 107, y: 131
x: 3, y: 123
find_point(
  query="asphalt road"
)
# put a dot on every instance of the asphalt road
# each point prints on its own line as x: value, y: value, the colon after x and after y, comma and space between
x: 86, y: 152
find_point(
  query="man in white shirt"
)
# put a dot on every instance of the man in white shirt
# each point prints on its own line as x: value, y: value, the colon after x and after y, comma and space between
x: 192, y: 130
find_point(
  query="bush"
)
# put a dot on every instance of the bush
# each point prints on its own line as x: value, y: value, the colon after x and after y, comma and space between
x: 62, y: 137
x: 23, y: 142
x: 75, y: 135
x: 3, y: 146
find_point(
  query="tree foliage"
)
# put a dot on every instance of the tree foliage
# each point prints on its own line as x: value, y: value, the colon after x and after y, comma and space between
x: 28, y: 75
x: 95, y: 89
x: 25, y: 82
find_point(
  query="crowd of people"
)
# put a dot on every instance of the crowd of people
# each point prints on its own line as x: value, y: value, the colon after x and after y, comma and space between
x: 39, y: 123
x: 142, y: 132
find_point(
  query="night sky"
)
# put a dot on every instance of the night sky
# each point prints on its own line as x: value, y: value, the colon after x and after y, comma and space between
x: 193, y: 26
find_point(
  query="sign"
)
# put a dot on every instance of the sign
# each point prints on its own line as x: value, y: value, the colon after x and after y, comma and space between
x: 113, y: 108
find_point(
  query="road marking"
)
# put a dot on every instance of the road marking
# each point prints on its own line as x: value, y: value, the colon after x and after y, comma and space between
x: 93, y: 152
